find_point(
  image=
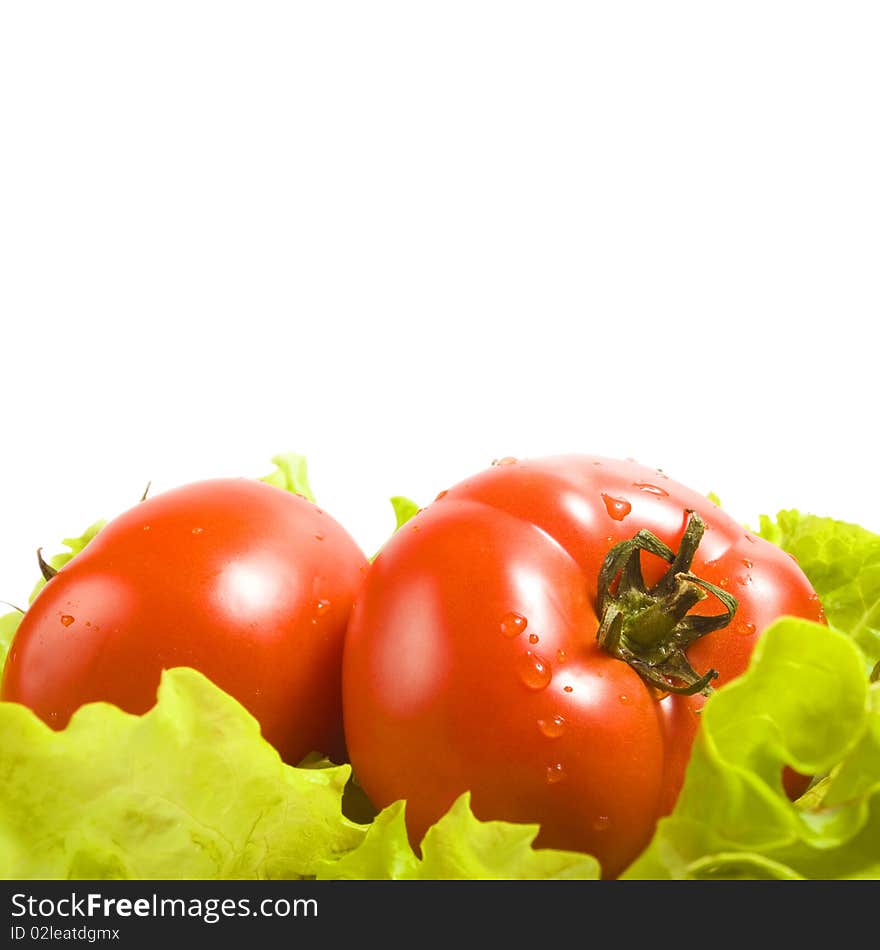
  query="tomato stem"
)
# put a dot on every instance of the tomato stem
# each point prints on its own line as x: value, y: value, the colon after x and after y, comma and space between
x: 651, y: 629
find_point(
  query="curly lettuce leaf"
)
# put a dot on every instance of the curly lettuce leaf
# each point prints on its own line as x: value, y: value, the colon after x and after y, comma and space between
x: 458, y: 847
x: 291, y: 474
x: 804, y: 702
x: 842, y: 562
x: 188, y: 790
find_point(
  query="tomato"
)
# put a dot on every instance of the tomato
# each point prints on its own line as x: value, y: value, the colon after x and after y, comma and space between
x: 248, y: 583
x: 472, y: 660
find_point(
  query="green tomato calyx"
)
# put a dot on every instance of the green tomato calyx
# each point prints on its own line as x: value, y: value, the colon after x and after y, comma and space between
x: 651, y: 628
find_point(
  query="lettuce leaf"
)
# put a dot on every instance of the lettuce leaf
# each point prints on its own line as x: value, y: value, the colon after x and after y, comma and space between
x: 74, y: 546
x: 457, y: 847
x: 188, y: 790
x: 404, y: 510
x: 804, y: 702
x: 842, y: 562
x: 291, y: 474
x: 8, y: 625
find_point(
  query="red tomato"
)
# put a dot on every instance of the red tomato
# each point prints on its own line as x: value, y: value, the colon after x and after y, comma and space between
x: 248, y: 583
x: 472, y: 661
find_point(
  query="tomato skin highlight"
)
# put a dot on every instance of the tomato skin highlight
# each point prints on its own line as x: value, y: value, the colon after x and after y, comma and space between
x: 245, y: 582
x: 471, y: 661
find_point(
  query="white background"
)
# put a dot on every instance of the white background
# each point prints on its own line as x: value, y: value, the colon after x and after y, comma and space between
x: 408, y: 238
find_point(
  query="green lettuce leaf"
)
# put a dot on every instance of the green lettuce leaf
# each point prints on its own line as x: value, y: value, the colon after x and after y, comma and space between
x: 8, y: 625
x: 188, y: 790
x: 842, y: 562
x: 74, y: 546
x: 404, y: 510
x: 804, y: 702
x: 291, y: 474
x: 457, y: 847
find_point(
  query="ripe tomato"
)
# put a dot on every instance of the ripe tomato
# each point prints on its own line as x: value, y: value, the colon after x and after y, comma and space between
x: 472, y: 660
x: 248, y: 583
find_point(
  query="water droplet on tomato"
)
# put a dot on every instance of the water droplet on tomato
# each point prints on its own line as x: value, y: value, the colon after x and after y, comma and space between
x: 552, y: 728
x: 319, y: 537
x: 751, y: 538
x: 321, y: 608
x: 513, y: 624
x: 533, y: 638
x: 618, y: 508
x: 442, y: 494
x: 197, y: 530
x: 651, y: 489
x: 560, y: 656
x: 745, y: 581
x: 747, y: 562
x: 66, y: 620
x: 568, y: 689
x: 507, y: 460
x: 535, y: 671
x: 601, y: 823
x: 623, y: 698
x: 555, y: 774
x: 748, y: 629
x: 146, y: 527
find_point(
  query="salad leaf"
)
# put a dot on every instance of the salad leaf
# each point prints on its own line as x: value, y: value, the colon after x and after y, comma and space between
x: 404, y: 510
x: 8, y: 625
x: 74, y: 546
x: 188, y: 790
x: 291, y: 474
x: 804, y: 702
x: 842, y: 562
x: 457, y: 847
